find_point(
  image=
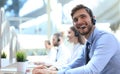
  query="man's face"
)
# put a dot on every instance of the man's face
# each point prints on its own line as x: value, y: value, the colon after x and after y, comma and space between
x: 55, y: 41
x: 82, y: 21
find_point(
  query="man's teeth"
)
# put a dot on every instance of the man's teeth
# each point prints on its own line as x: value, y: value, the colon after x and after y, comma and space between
x: 82, y: 27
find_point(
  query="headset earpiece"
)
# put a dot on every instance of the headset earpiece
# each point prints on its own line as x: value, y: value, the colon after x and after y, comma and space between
x: 76, y: 33
x: 93, y: 21
x: 58, y: 40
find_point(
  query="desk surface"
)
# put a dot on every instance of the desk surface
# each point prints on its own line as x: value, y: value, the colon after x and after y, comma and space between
x: 12, y: 69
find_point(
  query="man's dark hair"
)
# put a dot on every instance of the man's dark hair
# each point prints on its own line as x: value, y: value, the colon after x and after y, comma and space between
x: 89, y: 11
x: 58, y: 35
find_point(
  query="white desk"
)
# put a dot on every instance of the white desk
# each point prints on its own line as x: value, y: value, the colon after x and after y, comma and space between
x: 11, y: 69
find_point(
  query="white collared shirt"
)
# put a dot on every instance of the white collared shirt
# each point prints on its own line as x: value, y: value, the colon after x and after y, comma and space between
x: 63, y: 56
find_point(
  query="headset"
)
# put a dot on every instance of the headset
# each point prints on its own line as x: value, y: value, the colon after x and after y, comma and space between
x: 58, y: 39
x: 75, y: 31
x: 91, y: 15
x: 93, y: 21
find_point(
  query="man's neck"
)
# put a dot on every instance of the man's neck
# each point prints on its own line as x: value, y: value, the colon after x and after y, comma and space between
x: 86, y: 36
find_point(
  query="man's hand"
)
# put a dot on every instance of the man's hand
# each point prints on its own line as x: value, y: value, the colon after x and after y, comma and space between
x: 40, y: 71
x: 53, y: 68
x: 36, y: 69
x: 43, y: 71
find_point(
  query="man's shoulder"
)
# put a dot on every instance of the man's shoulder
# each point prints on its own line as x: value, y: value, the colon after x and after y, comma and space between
x: 99, y: 33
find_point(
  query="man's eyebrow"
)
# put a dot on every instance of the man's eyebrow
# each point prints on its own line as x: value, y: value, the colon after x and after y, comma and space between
x: 82, y: 15
x: 79, y: 15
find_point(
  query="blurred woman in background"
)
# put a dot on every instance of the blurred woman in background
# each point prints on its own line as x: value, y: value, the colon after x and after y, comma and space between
x: 77, y: 40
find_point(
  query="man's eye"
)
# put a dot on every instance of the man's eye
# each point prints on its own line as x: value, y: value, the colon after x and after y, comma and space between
x: 75, y: 20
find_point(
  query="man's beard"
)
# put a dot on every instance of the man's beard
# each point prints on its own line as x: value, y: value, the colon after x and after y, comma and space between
x: 56, y: 44
x: 85, y: 33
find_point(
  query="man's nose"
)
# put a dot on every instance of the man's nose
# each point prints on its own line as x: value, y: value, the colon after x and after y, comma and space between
x: 78, y: 23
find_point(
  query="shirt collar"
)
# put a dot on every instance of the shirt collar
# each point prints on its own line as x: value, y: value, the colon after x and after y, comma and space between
x: 92, y: 36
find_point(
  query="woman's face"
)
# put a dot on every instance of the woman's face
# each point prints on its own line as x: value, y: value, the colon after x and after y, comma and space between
x: 71, y: 35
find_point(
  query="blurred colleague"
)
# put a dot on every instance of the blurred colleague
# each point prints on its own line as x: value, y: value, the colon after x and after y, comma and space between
x: 102, y: 50
x: 51, y: 52
x: 48, y: 46
x: 78, y: 42
x: 62, y: 52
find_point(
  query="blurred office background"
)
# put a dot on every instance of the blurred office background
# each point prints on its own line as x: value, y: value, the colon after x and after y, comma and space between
x: 25, y: 24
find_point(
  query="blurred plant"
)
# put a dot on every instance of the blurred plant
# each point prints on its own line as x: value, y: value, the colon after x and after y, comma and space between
x: 21, y: 56
x: 3, y: 55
